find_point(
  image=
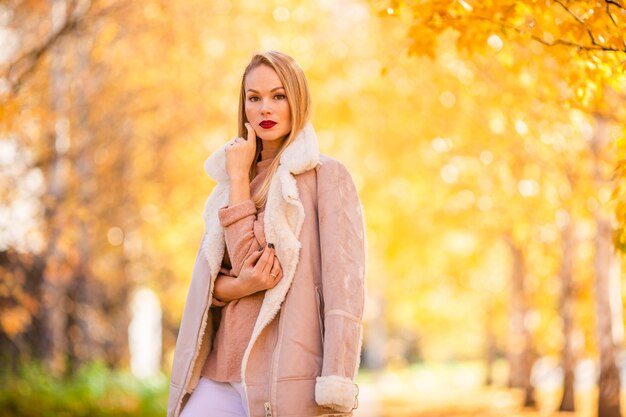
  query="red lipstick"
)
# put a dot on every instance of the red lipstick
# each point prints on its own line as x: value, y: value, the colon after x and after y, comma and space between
x: 267, y: 124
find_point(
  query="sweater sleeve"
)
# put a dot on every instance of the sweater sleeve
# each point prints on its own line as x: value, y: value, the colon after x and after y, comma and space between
x: 243, y: 232
x: 342, y: 245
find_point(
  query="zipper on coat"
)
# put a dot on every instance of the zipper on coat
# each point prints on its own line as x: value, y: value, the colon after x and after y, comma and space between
x: 268, y: 405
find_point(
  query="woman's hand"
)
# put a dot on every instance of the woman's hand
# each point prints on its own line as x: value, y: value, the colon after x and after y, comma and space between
x: 239, y: 155
x: 261, y: 271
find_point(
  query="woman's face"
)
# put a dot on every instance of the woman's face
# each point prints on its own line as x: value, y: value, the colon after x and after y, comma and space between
x: 266, y: 105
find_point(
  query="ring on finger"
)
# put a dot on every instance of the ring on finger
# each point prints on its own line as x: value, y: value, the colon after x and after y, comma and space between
x: 273, y: 275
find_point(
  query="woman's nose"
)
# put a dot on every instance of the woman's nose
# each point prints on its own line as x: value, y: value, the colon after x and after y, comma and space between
x: 266, y: 107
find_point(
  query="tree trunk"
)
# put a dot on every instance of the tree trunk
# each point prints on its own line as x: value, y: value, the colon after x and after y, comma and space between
x: 25, y: 345
x: 609, y: 382
x: 568, y: 359
x: 490, y: 346
x: 55, y: 275
x: 521, y: 356
x: 115, y: 304
x: 83, y: 295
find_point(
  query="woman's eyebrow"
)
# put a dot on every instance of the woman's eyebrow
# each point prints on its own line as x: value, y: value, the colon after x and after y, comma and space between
x: 275, y: 88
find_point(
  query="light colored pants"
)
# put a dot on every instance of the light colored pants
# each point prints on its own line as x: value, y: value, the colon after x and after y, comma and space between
x: 216, y: 399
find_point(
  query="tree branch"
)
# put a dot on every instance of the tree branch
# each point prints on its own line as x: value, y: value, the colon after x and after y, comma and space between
x: 563, y: 42
x: 608, y: 12
x: 32, y: 58
x: 570, y: 12
x: 615, y: 3
x: 27, y: 63
x: 581, y: 22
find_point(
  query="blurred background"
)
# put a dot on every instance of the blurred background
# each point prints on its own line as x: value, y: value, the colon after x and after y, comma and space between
x: 486, y: 139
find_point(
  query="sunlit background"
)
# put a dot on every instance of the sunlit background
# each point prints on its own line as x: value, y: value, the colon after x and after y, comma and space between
x: 486, y: 140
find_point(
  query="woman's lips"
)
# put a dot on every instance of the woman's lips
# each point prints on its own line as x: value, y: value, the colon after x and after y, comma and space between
x: 267, y: 124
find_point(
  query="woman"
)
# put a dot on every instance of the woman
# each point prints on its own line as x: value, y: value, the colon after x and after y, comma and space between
x: 273, y: 320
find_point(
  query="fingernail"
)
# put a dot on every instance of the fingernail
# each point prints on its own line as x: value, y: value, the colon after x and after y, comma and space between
x: 260, y: 249
x: 271, y: 245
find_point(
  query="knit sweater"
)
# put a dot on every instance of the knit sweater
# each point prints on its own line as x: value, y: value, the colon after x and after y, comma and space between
x: 243, y: 232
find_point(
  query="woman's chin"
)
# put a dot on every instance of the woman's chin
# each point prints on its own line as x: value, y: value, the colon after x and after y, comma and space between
x: 272, y: 138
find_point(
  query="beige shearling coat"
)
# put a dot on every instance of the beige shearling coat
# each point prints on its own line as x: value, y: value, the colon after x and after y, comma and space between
x: 304, y: 352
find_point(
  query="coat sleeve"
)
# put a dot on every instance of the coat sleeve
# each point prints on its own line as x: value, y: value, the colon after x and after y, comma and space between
x: 343, y: 257
x: 243, y: 232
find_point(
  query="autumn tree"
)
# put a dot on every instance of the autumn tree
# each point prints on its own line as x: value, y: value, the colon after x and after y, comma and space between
x: 581, y: 43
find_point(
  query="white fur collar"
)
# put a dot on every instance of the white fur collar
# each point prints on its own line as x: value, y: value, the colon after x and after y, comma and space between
x: 300, y: 156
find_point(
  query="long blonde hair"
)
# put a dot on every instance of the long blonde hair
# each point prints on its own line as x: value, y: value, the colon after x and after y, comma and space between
x: 299, y: 99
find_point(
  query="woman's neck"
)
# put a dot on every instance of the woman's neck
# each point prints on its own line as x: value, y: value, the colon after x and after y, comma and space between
x: 272, y: 144
x: 270, y: 148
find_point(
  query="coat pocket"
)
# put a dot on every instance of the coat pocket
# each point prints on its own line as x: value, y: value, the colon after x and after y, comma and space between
x: 320, y: 313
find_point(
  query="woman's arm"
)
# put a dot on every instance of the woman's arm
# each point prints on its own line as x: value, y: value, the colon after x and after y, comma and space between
x: 240, y: 220
x: 243, y: 232
x: 255, y: 276
x: 342, y: 247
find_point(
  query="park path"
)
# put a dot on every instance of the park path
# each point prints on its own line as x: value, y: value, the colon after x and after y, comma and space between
x: 375, y: 401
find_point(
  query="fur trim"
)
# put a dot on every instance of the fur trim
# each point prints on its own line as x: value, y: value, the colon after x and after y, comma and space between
x: 303, y: 153
x: 337, y: 392
x: 213, y: 246
x: 284, y: 216
x: 215, y: 164
x: 300, y: 156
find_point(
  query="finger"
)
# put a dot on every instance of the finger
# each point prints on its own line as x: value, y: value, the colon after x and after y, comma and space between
x: 276, y: 279
x: 260, y: 265
x: 251, y: 135
x: 276, y: 266
x: 276, y: 271
x: 269, y: 261
x: 253, y: 257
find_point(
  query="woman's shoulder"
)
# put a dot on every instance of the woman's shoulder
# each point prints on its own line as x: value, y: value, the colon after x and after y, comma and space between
x: 333, y: 176
x: 329, y: 167
x: 328, y: 159
x: 329, y: 173
x: 329, y: 181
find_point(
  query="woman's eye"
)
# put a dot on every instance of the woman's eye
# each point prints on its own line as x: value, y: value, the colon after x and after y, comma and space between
x: 280, y: 97
x: 253, y: 98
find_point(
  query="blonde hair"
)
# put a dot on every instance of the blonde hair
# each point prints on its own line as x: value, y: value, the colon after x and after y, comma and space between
x: 297, y: 91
